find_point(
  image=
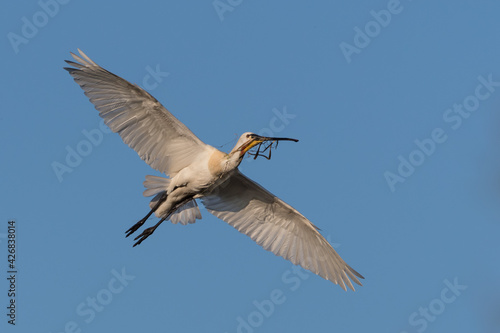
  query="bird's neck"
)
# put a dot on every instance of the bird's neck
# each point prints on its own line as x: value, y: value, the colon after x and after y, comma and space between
x: 221, y: 163
x: 233, y: 160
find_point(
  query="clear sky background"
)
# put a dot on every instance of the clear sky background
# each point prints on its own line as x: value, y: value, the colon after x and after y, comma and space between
x: 419, y: 219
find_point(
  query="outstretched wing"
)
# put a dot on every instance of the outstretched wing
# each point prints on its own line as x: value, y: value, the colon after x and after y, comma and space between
x: 277, y: 227
x: 159, y: 138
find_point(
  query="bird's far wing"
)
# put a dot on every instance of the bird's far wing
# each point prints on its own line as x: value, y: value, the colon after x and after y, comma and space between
x: 144, y: 124
x: 278, y: 228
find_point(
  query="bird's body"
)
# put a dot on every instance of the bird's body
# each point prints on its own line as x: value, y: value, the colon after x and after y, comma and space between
x: 205, y: 173
x: 200, y: 171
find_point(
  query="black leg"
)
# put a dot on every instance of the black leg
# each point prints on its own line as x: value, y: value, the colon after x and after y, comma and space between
x: 141, y: 222
x: 148, y: 232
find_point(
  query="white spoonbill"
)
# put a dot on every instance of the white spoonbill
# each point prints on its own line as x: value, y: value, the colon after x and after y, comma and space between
x: 200, y: 171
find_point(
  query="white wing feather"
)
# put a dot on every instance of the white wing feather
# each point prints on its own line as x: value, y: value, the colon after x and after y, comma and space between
x: 277, y: 227
x: 159, y: 138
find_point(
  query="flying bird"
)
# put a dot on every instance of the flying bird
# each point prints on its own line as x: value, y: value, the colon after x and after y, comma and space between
x: 199, y: 171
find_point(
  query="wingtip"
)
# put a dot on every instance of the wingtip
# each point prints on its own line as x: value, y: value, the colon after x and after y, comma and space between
x: 86, y: 57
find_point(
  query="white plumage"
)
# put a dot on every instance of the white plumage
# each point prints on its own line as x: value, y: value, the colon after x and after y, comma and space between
x: 198, y: 170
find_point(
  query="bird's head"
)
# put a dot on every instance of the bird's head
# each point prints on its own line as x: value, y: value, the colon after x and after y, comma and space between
x: 249, y: 140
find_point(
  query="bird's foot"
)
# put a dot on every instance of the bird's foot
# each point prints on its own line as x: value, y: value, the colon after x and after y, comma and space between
x: 145, y: 234
x: 136, y: 226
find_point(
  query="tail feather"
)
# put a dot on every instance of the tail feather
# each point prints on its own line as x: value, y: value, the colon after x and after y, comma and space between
x: 155, y: 185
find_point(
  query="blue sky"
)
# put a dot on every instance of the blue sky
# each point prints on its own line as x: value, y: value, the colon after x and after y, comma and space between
x: 397, y: 109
